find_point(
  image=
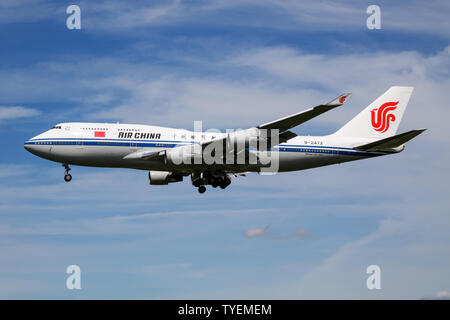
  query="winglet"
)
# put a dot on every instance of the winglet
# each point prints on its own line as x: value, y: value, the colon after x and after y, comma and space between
x: 339, y: 100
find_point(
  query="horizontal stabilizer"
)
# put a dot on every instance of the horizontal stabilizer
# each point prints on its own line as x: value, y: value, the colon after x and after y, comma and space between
x: 391, y: 142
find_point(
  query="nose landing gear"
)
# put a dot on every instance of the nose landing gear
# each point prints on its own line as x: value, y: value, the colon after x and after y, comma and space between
x: 67, y: 176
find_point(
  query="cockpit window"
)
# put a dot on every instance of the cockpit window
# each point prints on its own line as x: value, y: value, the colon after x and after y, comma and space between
x: 56, y: 127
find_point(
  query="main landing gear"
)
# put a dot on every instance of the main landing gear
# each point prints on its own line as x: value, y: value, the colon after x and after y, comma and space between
x: 218, y: 179
x: 67, y: 175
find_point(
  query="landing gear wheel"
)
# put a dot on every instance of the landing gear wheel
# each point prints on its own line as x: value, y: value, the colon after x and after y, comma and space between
x: 67, y: 176
x: 225, y: 183
x: 202, y: 189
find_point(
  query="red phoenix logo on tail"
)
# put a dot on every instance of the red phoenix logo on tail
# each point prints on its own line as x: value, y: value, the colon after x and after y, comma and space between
x: 382, y: 118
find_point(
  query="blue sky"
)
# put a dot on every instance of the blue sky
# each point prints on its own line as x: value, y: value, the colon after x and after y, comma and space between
x: 231, y: 64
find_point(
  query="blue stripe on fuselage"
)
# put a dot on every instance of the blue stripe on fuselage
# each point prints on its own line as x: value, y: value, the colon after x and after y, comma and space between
x: 171, y: 144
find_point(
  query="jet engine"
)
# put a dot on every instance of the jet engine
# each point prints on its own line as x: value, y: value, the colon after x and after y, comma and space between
x: 163, y: 177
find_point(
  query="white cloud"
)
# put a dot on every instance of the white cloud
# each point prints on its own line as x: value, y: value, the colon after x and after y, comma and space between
x: 123, y: 15
x: 183, y: 101
x: 15, y: 112
x: 257, y: 232
x: 444, y: 294
x: 301, y: 16
x: 302, y: 233
x: 14, y: 170
x: 28, y: 11
x: 116, y: 225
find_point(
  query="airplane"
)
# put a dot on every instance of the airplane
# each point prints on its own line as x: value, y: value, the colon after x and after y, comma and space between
x: 171, y: 154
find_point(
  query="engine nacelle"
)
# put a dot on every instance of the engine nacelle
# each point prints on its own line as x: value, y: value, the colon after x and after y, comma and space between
x: 163, y: 177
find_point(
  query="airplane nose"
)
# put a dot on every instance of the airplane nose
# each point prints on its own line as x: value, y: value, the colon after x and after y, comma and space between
x: 28, y: 145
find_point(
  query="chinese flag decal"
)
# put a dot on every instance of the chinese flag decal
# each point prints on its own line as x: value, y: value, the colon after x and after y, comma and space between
x: 99, y: 134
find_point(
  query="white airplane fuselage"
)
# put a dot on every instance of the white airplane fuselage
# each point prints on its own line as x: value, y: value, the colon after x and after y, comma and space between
x: 76, y: 143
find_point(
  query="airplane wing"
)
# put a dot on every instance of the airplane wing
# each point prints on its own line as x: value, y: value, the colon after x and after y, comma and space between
x: 286, y: 123
x: 283, y: 125
x: 296, y: 119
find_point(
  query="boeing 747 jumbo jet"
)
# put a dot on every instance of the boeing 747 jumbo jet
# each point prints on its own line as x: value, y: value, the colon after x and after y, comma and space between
x: 212, y: 158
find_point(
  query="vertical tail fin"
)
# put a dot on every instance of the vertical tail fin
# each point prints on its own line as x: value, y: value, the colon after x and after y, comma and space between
x: 381, y: 118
